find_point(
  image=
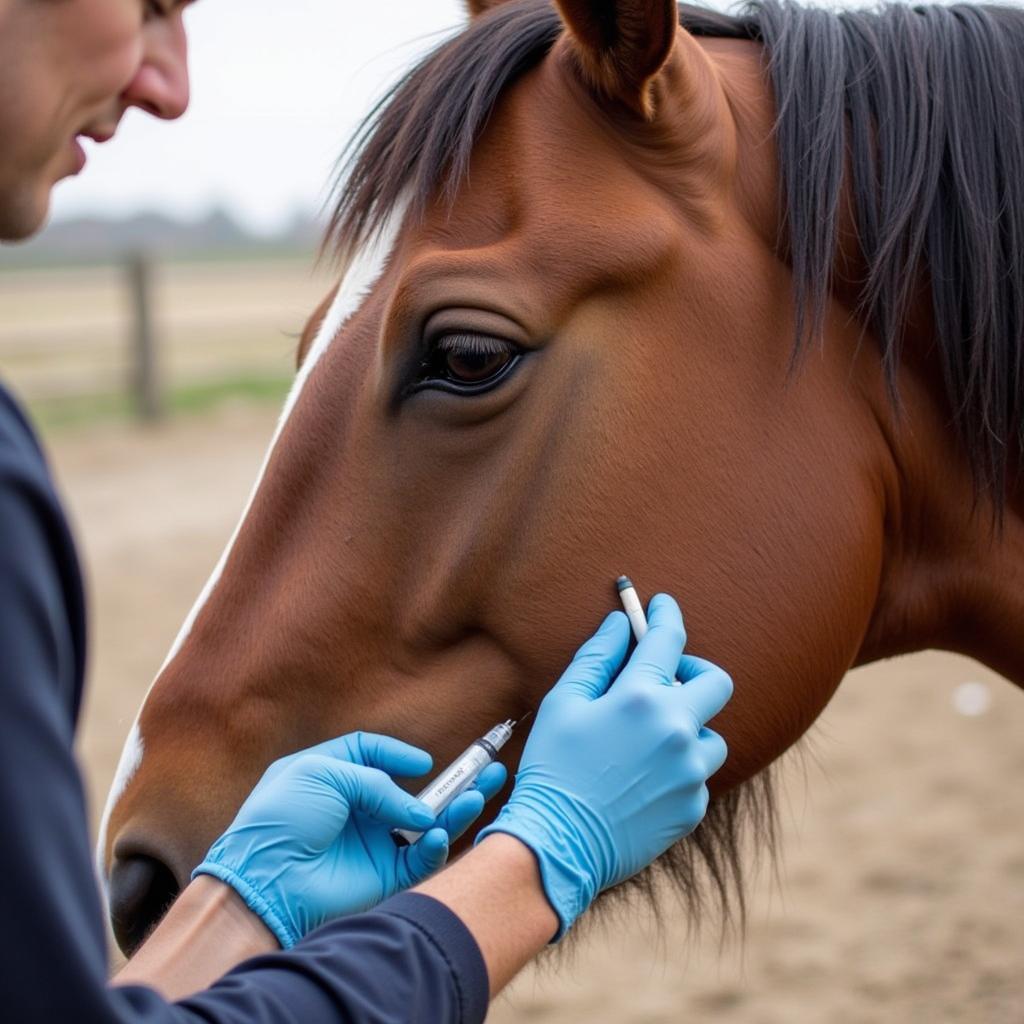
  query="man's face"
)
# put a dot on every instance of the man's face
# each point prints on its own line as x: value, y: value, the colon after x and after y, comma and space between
x: 70, y: 69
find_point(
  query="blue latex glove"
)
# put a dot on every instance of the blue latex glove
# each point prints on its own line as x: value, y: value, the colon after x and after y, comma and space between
x: 614, y: 773
x: 312, y: 842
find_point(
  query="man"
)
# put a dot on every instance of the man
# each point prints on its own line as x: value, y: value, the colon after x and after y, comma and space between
x: 614, y: 770
x: 70, y: 70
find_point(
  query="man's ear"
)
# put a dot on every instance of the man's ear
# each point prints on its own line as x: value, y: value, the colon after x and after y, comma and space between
x: 620, y: 45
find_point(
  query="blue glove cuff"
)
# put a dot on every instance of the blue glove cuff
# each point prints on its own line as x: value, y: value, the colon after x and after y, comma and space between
x: 570, y: 890
x: 253, y: 899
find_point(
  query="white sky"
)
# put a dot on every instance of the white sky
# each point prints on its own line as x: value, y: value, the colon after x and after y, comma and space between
x: 277, y: 89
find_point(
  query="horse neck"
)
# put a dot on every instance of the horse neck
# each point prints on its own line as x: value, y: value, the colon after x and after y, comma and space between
x: 949, y: 580
x: 953, y: 575
x: 1000, y: 608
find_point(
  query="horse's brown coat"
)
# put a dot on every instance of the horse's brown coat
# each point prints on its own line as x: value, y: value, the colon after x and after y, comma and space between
x: 425, y: 566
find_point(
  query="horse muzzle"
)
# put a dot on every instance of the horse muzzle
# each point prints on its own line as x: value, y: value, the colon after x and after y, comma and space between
x: 141, y: 889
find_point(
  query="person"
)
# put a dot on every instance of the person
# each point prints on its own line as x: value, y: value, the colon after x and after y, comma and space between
x: 296, y: 914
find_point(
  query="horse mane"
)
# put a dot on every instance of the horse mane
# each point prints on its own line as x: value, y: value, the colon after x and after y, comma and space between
x: 927, y: 104
x: 919, y: 111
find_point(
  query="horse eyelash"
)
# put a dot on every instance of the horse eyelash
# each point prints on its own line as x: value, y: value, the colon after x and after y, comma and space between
x: 476, y: 344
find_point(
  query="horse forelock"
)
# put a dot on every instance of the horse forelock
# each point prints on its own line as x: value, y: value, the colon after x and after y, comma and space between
x: 420, y: 136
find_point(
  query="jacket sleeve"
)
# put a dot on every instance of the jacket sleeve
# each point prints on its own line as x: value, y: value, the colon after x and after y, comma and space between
x: 409, y: 960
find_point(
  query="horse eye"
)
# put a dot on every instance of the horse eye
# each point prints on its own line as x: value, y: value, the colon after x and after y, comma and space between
x: 466, y: 364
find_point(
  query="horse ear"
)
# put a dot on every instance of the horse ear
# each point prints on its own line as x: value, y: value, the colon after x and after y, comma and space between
x: 621, y: 45
x: 478, y: 7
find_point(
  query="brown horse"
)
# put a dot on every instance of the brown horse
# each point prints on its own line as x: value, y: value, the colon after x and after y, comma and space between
x: 596, y: 341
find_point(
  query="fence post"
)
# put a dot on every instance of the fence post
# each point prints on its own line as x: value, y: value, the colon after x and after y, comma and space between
x: 145, y: 370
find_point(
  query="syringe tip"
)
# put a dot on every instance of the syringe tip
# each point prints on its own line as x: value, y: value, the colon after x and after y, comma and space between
x: 624, y: 583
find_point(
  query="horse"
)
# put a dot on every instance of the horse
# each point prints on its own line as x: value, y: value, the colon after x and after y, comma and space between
x: 732, y: 303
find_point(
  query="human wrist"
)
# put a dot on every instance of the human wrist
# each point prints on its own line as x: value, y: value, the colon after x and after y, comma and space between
x: 499, y: 856
x: 517, y: 861
x: 220, y: 907
x: 207, y: 931
x: 497, y: 893
x: 569, y: 876
x: 252, y: 897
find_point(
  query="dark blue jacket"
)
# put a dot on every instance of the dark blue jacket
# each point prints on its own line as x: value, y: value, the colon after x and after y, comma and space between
x: 409, y: 960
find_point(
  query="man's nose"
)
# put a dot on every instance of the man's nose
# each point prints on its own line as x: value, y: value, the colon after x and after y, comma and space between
x: 161, y: 85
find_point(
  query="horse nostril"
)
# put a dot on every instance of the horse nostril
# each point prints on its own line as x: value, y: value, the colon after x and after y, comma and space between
x: 141, y: 889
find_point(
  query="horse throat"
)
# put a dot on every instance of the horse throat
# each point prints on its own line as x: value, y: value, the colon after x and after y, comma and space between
x: 993, y: 618
x: 953, y: 577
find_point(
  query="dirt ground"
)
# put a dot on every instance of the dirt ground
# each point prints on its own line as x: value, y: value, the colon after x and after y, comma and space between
x: 902, y: 882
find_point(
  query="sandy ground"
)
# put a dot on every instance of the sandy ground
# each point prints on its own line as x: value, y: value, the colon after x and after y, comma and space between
x: 902, y: 884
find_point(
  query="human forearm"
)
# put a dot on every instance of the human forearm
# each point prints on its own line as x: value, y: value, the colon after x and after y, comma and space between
x: 496, y: 891
x: 329, y: 803
x: 208, y: 931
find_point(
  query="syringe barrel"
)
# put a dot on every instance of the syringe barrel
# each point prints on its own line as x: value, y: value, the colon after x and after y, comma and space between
x: 455, y: 779
x: 459, y: 775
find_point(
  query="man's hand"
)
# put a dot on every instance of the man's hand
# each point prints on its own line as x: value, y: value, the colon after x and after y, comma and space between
x: 615, y: 772
x: 312, y: 842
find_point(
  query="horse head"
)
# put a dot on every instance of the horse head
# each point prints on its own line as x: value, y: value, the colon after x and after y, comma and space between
x: 563, y: 350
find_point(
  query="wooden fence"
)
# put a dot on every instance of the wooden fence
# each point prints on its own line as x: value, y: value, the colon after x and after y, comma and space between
x: 144, y: 329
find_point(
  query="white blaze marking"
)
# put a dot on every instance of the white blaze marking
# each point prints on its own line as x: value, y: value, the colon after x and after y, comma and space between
x: 359, y: 277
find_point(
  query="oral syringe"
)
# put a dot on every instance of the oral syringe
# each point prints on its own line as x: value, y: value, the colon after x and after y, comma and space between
x: 459, y: 775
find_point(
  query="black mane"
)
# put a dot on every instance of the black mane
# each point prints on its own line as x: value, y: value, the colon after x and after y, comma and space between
x: 933, y: 99
x: 925, y: 105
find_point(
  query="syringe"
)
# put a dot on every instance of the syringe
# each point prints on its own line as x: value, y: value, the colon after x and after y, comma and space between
x: 634, y: 611
x: 459, y: 776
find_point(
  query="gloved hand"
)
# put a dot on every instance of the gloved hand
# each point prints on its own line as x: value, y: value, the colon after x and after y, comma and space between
x: 610, y: 780
x: 312, y: 841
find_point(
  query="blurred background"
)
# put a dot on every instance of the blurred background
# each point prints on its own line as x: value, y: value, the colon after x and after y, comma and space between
x: 151, y: 330
x: 178, y: 268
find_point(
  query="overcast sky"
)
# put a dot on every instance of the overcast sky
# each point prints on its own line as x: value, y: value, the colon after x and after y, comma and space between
x: 278, y: 86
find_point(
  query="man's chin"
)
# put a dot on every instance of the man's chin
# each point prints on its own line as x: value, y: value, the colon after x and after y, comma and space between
x: 22, y: 216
